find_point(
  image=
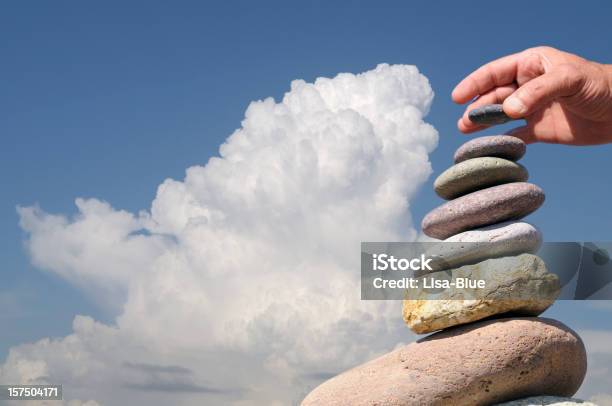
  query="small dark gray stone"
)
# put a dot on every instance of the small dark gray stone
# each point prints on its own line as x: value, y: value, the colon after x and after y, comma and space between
x: 490, y: 114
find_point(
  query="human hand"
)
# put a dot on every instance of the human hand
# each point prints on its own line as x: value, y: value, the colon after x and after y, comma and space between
x: 564, y: 98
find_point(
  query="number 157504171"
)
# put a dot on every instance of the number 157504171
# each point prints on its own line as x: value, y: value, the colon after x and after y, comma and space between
x: 31, y: 392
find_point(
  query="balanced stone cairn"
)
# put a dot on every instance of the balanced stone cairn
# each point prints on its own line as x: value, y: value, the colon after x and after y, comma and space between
x: 492, y: 347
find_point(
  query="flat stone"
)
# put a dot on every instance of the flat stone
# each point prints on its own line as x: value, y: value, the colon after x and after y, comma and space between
x: 477, y: 364
x: 511, y: 201
x: 498, y: 240
x: 478, y: 173
x: 491, y: 114
x: 521, y: 285
x: 501, y: 146
x: 547, y: 401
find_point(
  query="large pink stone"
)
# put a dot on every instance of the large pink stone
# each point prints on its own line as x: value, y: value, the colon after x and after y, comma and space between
x: 476, y: 364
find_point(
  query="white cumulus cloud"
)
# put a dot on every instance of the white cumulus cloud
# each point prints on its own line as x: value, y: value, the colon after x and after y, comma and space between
x: 240, y: 284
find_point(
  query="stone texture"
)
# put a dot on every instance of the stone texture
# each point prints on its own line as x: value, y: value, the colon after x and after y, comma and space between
x: 478, y: 173
x: 511, y: 201
x: 491, y: 114
x: 501, y: 146
x: 498, y: 240
x: 476, y: 364
x: 547, y: 401
x: 521, y: 285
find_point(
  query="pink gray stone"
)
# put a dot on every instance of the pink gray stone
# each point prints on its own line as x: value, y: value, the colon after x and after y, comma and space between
x: 476, y: 364
x: 501, y: 146
x: 511, y: 201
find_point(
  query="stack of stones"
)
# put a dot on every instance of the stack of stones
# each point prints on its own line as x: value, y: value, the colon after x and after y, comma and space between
x: 492, y: 347
x: 488, y: 195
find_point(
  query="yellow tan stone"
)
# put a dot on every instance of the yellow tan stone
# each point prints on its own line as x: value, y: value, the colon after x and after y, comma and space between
x: 521, y: 285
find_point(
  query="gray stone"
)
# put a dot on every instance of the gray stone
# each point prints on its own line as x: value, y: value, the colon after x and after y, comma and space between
x: 547, y: 401
x: 476, y: 364
x: 521, y: 285
x: 478, y: 173
x: 511, y: 201
x: 490, y: 114
x: 470, y: 247
x: 501, y: 146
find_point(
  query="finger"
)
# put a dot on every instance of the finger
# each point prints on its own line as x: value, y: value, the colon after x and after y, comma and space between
x: 469, y: 129
x: 525, y: 133
x: 494, y: 74
x: 495, y: 96
x: 562, y: 81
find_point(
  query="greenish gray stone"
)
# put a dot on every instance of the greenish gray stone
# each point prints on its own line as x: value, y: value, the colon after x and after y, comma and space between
x: 478, y: 173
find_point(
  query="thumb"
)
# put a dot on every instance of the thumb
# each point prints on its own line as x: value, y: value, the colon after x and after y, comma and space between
x: 525, y: 133
x: 561, y: 81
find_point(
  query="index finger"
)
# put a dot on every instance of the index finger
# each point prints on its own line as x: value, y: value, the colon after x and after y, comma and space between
x: 497, y: 73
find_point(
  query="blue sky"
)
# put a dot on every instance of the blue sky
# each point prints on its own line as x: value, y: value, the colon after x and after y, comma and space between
x: 108, y: 99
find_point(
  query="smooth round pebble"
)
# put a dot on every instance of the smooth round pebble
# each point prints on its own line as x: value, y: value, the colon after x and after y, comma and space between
x: 478, y: 173
x: 511, y: 201
x: 501, y: 146
x: 475, y: 364
x: 498, y: 240
x: 547, y: 401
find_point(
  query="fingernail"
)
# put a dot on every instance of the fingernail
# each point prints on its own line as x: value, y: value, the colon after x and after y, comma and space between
x: 515, y: 105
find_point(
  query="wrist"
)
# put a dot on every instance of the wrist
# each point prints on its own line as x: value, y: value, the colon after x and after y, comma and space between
x: 608, y: 73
